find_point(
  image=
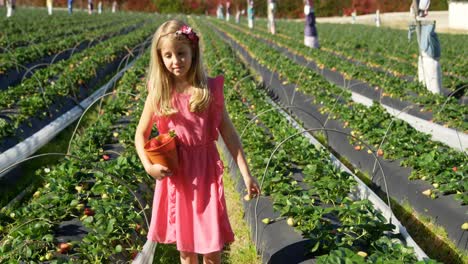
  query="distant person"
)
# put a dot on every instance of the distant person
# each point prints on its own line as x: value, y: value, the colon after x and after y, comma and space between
x: 429, y: 70
x: 70, y: 7
x: 238, y: 15
x: 271, y: 16
x: 377, y: 18
x: 90, y: 7
x: 420, y: 8
x: 10, y: 5
x: 219, y: 12
x: 353, y: 15
x: 250, y: 13
x: 100, y: 7
x: 49, y: 4
x: 114, y: 6
x: 310, y: 31
x: 228, y: 11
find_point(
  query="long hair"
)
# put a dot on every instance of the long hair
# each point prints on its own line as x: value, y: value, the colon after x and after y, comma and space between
x: 160, y: 81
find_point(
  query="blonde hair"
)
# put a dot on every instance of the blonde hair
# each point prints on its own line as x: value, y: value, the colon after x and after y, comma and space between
x: 160, y: 81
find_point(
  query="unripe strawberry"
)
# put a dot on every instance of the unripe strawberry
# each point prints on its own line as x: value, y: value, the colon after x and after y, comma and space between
x: 49, y: 256
x: 465, y: 226
x: 266, y: 221
x: 79, y: 188
x: 427, y: 192
x: 291, y: 222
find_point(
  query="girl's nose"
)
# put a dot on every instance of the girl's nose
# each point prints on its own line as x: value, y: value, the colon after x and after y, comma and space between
x: 177, y: 59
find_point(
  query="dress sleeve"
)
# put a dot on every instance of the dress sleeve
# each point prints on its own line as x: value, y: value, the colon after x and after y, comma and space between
x: 218, y: 99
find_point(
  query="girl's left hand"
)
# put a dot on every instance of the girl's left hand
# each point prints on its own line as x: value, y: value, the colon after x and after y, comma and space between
x: 252, y: 185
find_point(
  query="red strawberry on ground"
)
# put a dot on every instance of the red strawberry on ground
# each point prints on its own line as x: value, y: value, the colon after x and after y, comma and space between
x: 88, y: 211
x: 380, y: 152
x: 64, y: 248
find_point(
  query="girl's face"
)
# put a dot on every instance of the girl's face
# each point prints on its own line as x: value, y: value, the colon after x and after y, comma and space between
x: 177, y: 58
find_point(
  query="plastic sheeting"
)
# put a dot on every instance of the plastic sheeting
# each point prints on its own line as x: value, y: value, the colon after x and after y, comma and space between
x: 147, y: 254
x: 429, y: 73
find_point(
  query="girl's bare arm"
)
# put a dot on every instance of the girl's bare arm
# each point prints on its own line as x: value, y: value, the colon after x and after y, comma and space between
x: 234, y: 145
x: 142, y: 134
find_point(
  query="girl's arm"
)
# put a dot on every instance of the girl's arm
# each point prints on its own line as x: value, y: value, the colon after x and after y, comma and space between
x: 142, y: 134
x: 232, y: 141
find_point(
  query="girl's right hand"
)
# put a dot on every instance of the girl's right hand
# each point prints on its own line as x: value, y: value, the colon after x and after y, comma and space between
x: 158, y: 171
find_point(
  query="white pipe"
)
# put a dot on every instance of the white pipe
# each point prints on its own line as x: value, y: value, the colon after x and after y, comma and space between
x: 453, y: 138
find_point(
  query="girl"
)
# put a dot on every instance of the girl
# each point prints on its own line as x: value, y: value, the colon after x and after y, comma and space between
x: 189, y: 207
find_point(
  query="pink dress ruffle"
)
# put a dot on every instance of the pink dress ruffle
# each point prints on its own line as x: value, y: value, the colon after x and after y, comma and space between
x: 189, y: 208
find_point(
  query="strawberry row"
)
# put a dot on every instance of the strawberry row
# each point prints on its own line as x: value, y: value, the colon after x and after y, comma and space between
x: 446, y: 110
x: 20, y: 56
x: 27, y: 20
x: 387, y: 48
x: 63, y: 80
x: 431, y: 161
x: 18, y: 33
x: 96, y: 192
x: 339, y: 223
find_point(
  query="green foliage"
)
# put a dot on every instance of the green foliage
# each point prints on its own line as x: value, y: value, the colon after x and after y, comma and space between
x: 169, y: 6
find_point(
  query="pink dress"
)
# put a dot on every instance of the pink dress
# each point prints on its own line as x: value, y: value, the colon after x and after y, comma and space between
x: 189, y: 208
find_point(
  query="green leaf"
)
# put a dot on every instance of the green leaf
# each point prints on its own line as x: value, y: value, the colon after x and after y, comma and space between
x: 316, y: 247
x: 89, y: 220
x: 48, y: 238
x: 110, y: 226
x: 28, y: 252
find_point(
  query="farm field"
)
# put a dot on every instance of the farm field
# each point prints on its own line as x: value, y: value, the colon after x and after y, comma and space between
x: 376, y: 180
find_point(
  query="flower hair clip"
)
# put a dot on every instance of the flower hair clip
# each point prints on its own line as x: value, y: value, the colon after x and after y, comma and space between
x: 189, y: 33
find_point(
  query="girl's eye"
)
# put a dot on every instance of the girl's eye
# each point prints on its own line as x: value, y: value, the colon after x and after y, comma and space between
x: 181, y: 53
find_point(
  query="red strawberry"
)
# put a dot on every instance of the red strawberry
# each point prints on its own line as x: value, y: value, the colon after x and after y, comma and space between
x: 380, y: 152
x: 105, y: 157
x: 64, y: 247
x: 88, y: 211
x: 455, y: 169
